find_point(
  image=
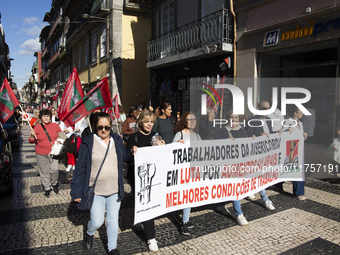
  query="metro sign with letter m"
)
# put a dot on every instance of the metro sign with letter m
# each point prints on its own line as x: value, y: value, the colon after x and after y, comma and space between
x: 271, y: 38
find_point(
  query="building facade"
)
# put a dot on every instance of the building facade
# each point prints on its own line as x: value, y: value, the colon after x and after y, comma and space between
x: 5, y: 61
x: 293, y: 44
x: 190, y: 40
x: 100, y: 38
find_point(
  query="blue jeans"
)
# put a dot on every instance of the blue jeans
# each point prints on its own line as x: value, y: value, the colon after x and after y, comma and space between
x: 264, y: 195
x: 236, y: 205
x: 112, y: 215
x: 186, y: 214
x: 299, y: 188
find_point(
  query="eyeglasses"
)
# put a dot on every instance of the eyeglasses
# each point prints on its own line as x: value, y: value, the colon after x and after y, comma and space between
x: 191, y: 120
x: 107, y: 128
x: 264, y: 108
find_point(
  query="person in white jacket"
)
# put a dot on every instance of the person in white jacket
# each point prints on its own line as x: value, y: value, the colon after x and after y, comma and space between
x: 71, y: 162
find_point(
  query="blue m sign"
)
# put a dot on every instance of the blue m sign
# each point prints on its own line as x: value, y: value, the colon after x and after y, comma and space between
x: 271, y: 38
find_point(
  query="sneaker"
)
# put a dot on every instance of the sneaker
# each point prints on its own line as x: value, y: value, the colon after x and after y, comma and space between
x: 241, y: 220
x: 189, y: 224
x: 69, y: 167
x: 139, y: 227
x: 114, y: 252
x: 152, y: 244
x: 47, y: 193
x: 251, y: 197
x: 55, y: 189
x: 301, y: 198
x: 185, y: 229
x: 269, y: 205
x: 222, y: 210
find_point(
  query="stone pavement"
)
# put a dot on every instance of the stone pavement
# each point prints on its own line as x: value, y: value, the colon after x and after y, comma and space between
x: 33, y: 224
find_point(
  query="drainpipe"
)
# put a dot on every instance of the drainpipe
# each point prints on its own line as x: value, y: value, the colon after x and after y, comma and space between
x: 234, y: 18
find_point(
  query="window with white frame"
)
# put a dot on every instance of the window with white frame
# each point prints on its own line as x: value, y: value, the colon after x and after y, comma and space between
x: 103, y: 42
x: 168, y: 17
x: 87, y: 53
x: 211, y: 6
x: 73, y: 58
x: 79, y: 58
x: 94, y: 47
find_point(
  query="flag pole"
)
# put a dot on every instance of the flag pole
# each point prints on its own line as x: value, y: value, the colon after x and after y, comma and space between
x: 114, y: 115
x: 88, y: 120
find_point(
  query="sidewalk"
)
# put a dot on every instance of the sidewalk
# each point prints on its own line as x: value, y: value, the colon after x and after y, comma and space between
x: 33, y: 224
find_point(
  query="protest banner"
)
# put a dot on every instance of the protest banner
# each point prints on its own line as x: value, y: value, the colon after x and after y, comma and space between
x: 177, y: 176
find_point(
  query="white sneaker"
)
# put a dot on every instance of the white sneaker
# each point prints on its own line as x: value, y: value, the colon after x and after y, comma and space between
x: 152, y: 243
x: 69, y: 167
x: 269, y: 205
x: 241, y: 220
x: 252, y: 197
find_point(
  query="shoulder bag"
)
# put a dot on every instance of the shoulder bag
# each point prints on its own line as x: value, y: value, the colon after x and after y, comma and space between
x: 90, y: 193
x: 56, y: 149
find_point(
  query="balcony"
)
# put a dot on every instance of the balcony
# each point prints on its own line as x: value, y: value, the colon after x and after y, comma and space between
x: 211, y: 34
x: 44, y: 52
x: 96, y: 8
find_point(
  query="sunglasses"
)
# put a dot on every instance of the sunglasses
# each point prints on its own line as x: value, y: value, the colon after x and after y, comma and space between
x: 107, y: 128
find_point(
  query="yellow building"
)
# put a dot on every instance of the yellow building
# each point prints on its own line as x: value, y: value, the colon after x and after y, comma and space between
x: 94, y: 45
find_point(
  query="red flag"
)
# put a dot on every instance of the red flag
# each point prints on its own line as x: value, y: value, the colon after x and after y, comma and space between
x: 55, y: 98
x: 99, y: 97
x: 72, y: 95
x: 114, y: 112
x: 8, y: 101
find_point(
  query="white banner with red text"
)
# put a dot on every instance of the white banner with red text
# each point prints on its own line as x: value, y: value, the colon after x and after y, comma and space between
x: 178, y: 176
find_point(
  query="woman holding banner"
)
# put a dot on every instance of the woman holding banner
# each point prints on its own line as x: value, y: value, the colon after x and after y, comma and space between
x: 100, y: 164
x: 293, y: 124
x: 232, y: 131
x: 186, y: 130
x: 143, y: 138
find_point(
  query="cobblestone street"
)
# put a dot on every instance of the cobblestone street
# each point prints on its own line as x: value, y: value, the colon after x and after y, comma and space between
x: 30, y: 223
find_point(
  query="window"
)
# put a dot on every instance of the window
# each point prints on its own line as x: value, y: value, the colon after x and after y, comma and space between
x: 87, y: 53
x: 103, y: 42
x: 79, y: 57
x: 211, y: 6
x: 168, y: 17
x: 94, y: 47
x: 73, y: 58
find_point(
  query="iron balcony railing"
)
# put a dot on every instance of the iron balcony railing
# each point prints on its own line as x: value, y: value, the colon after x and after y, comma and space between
x: 210, y: 30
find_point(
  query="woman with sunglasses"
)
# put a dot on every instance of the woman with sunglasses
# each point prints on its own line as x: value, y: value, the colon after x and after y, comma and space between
x: 109, y: 188
x: 186, y: 129
x: 143, y: 138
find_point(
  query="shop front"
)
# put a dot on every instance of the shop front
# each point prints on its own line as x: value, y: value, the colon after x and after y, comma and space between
x: 175, y: 84
x: 302, y: 52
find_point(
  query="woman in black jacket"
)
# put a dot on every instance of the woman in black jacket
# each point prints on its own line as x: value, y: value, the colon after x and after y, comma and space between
x: 109, y: 188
